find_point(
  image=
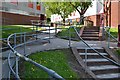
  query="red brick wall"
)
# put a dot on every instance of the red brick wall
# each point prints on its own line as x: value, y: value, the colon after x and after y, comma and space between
x: 119, y: 13
x: 11, y: 18
x: 95, y: 19
x: 114, y: 14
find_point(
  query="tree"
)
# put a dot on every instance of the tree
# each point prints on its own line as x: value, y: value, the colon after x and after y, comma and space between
x: 62, y: 8
x: 107, y: 11
x: 65, y: 8
x: 81, y: 6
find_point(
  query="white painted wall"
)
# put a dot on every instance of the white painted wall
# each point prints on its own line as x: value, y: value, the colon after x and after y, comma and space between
x: 96, y: 8
x: 22, y: 8
x: 55, y: 18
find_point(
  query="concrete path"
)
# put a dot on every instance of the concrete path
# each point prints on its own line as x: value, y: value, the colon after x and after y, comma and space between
x: 55, y: 43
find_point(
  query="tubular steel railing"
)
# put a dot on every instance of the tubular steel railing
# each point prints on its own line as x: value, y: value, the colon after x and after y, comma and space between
x: 118, y: 64
x: 23, y: 41
x: 109, y: 36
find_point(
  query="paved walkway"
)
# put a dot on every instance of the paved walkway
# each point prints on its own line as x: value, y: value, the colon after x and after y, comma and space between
x: 55, y: 43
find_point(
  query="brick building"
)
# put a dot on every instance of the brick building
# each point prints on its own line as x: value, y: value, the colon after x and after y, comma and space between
x: 18, y: 12
x: 110, y: 14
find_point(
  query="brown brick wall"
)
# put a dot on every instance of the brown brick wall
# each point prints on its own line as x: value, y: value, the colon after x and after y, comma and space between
x: 11, y: 18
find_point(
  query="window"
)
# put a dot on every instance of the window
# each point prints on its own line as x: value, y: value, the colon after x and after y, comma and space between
x: 38, y: 7
x: 14, y: 2
x: 30, y: 4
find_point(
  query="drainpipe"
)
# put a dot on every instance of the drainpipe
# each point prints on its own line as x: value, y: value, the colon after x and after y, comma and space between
x: 119, y: 35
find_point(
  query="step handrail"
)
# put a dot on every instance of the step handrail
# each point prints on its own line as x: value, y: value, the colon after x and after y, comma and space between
x: 110, y: 34
x: 116, y: 63
x: 50, y: 72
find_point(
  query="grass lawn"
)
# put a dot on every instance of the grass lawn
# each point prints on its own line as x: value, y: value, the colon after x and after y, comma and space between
x: 114, y: 32
x: 13, y: 29
x: 56, y: 60
x: 64, y: 33
x: 10, y: 29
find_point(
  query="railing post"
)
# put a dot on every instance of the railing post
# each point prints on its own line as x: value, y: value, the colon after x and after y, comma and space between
x: 69, y: 37
x: 9, y: 75
x: 86, y: 60
x: 21, y: 38
x: 24, y: 43
x: 49, y: 33
x: 33, y: 26
x: 14, y: 39
x: 103, y: 33
x: 36, y: 31
x: 109, y: 39
x: 16, y: 59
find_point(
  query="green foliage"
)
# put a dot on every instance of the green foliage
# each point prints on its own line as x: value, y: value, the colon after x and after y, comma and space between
x: 114, y: 32
x: 66, y: 8
x: 81, y: 6
x: 118, y: 51
x: 61, y: 8
x: 55, y: 60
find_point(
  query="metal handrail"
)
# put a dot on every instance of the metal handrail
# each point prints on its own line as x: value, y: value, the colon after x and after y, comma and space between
x: 118, y: 64
x: 111, y: 35
x: 50, y: 72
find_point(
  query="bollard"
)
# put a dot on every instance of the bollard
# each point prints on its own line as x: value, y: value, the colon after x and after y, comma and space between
x: 119, y: 35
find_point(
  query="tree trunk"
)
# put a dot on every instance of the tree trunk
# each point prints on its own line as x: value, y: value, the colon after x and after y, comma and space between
x: 64, y: 21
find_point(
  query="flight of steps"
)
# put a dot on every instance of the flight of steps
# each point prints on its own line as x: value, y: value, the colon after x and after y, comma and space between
x: 90, y: 33
x: 101, y: 67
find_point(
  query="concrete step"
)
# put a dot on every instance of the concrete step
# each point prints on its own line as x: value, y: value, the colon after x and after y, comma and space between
x: 89, y: 30
x: 85, y: 32
x: 108, y: 76
x: 93, y: 55
x: 90, y: 38
x: 96, y: 60
x: 92, y: 28
x: 106, y: 71
x: 103, y: 67
x: 99, y: 63
x: 101, y: 50
x: 90, y: 35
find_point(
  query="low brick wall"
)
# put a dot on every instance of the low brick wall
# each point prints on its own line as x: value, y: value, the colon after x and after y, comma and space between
x: 12, y: 19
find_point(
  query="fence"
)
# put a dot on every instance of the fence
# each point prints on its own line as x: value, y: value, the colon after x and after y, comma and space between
x: 23, y: 41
